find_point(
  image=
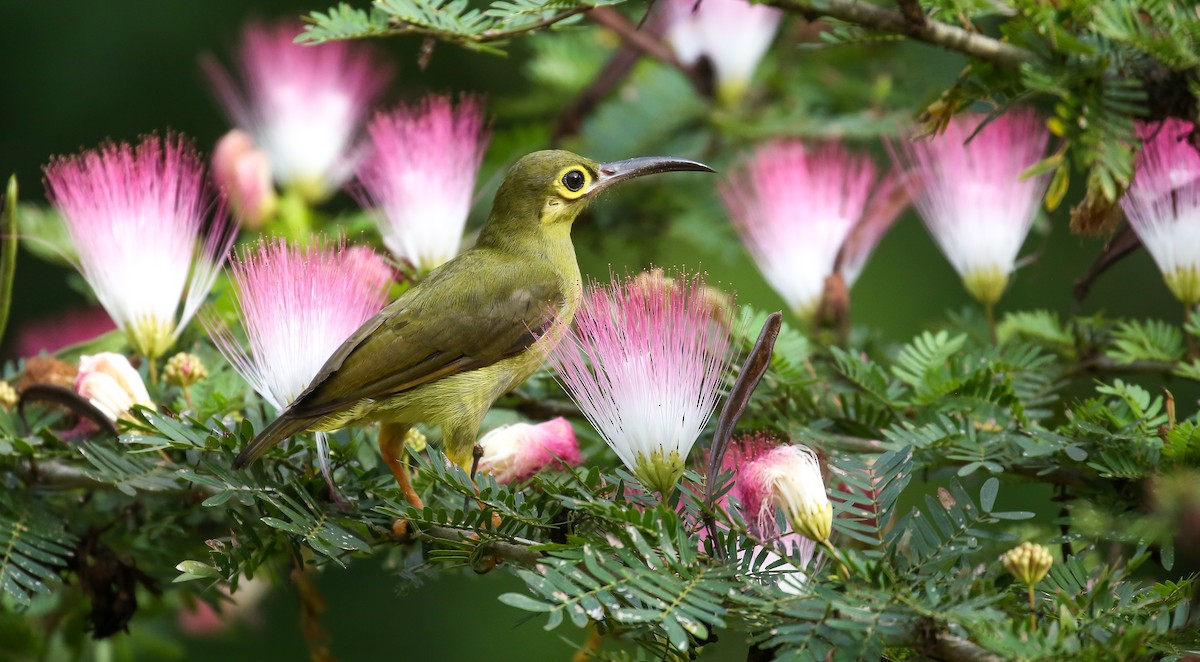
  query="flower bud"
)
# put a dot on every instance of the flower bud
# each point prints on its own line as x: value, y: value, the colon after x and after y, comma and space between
x: 792, y: 476
x: 184, y: 369
x: 111, y: 384
x: 415, y: 440
x: 8, y: 396
x: 516, y: 452
x: 243, y: 172
x: 1028, y: 562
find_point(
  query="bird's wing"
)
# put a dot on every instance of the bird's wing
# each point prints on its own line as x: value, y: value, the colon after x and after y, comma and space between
x: 471, y: 313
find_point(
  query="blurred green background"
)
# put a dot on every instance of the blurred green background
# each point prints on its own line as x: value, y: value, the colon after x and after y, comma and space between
x: 75, y: 73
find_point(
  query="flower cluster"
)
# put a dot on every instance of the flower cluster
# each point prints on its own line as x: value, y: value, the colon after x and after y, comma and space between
x: 111, y: 384
x: 796, y: 206
x: 136, y: 217
x: 969, y: 188
x: 769, y: 478
x: 326, y: 290
x: 303, y: 105
x: 1163, y: 205
x: 420, y: 176
x: 645, y: 363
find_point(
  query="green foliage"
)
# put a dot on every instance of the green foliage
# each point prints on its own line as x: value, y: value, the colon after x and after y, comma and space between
x: 647, y: 584
x: 1151, y: 340
x: 34, y: 547
x: 448, y: 20
x: 909, y: 556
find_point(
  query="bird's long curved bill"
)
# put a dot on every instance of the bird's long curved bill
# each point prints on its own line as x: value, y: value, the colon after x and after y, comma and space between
x: 619, y: 171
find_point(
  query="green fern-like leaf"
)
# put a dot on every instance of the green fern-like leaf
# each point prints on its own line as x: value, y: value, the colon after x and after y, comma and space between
x: 311, y: 524
x: 128, y: 472
x: 344, y: 22
x: 34, y: 547
x: 1155, y: 27
x: 864, y: 509
x: 1182, y: 444
x: 952, y: 526
x: 1041, y: 326
x: 868, y: 376
x: 926, y: 355
x: 651, y: 583
x: 1151, y: 340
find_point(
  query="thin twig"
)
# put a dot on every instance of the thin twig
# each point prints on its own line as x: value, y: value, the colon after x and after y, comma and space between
x: 846, y: 443
x: 1124, y: 242
x: 952, y: 648
x: 641, y: 40
x: 401, y: 28
x: 1100, y: 363
x: 932, y: 32
x: 636, y: 41
x: 500, y: 35
x: 591, y: 646
x: 611, y: 75
x: 518, y: 552
x: 312, y: 605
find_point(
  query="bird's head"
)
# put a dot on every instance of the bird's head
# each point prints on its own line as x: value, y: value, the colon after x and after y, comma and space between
x: 551, y: 187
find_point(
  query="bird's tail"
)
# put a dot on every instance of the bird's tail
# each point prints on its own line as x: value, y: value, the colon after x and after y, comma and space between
x: 279, y: 430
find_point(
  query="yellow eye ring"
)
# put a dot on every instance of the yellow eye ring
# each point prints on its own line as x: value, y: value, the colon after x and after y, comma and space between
x: 573, y: 182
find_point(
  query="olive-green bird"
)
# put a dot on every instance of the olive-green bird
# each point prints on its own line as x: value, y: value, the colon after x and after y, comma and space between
x: 475, y: 327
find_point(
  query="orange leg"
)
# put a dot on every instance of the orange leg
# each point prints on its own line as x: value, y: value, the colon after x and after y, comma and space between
x: 391, y: 446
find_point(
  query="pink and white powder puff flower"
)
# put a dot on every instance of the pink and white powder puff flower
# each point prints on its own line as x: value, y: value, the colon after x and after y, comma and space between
x: 971, y: 194
x: 111, y: 384
x: 795, y: 206
x: 243, y: 173
x: 136, y: 218
x: 1163, y: 205
x: 732, y: 34
x: 751, y: 460
x: 788, y: 478
x: 645, y: 365
x: 420, y: 176
x: 515, y: 452
x: 303, y: 105
x: 297, y: 304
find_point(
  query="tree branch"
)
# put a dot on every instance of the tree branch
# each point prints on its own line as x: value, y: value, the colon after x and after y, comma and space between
x: 911, y: 9
x: 497, y: 35
x: 1101, y: 364
x: 952, y: 648
x: 518, y: 552
x: 931, y: 32
x: 636, y: 41
x: 646, y: 42
x: 399, y: 28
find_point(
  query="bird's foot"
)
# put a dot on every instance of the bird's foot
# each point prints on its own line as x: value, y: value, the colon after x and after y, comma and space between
x: 476, y: 454
x: 392, y: 448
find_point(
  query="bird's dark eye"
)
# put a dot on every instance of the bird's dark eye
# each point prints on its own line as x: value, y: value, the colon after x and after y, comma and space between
x: 573, y: 180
